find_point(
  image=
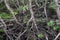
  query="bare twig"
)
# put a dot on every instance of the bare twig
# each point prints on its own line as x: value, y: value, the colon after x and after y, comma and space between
x: 8, y: 7
x: 57, y: 36
x: 57, y: 8
x: 32, y: 14
x: 5, y: 28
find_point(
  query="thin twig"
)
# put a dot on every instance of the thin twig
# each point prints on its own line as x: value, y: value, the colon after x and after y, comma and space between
x: 57, y: 36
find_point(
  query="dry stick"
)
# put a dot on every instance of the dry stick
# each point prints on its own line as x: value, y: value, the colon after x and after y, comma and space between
x: 29, y: 32
x: 17, y: 3
x: 5, y: 28
x: 46, y: 36
x: 21, y: 34
x: 41, y: 6
x: 14, y: 18
x: 32, y: 14
x: 26, y: 28
x: 45, y: 11
x: 46, y: 17
x: 8, y: 7
x: 13, y: 35
x: 31, y: 19
x: 57, y: 36
x: 36, y: 3
x: 57, y: 8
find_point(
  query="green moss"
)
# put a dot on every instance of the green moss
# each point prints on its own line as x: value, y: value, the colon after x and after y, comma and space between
x: 40, y: 35
x: 5, y: 15
x: 1, y: 30
x: 2, y: 6
x: 25, y: 19
x: 23, y: 8
x: 51, y: 23
x: 52, y: 7
x: 56, y: 28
